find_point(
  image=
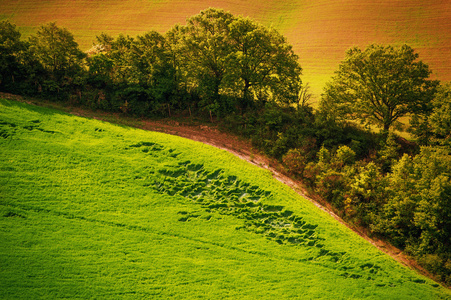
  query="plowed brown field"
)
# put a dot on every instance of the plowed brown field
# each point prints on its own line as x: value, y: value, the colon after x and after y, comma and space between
x: 320, y: 31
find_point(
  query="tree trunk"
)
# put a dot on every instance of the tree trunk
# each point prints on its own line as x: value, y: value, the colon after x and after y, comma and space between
x: 386, y: 126
x: 246, y: 97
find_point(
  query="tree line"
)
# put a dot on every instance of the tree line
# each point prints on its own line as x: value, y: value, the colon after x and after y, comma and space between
x: 246, y: 78
x: 216, y: 62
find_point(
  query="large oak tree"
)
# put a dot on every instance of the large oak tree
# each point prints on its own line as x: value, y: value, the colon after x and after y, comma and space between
x: 57, y: 52
x: 379, y: 86
x: 202, y: 51
x: 263, y: 63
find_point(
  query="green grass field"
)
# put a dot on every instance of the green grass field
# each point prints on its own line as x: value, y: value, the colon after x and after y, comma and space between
x: 320, y: 31
x: 94, y: 210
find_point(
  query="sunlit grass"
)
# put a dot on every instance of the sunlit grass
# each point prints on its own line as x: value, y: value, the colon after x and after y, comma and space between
x: 94, y: 210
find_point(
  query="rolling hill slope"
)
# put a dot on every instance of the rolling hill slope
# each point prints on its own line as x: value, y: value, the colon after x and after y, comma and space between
x: 94, y: 210
x: 320, y: 31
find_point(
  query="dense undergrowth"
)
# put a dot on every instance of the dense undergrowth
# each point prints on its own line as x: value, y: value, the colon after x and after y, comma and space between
x: 396, y: 189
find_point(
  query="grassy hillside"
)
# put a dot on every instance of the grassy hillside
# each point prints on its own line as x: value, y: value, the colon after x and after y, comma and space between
x: 94, y: 210
x: 321, y: 30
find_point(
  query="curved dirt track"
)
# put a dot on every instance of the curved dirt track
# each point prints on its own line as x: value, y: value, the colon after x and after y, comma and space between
x: 243, y: 149
x: 238, y: 146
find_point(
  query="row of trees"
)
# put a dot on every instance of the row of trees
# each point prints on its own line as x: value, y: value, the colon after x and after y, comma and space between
x: 49, y: 63
x: 216, y: 62
x: 248, y: 77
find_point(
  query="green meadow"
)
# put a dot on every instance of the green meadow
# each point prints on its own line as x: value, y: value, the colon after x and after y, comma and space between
x: 90, y: 209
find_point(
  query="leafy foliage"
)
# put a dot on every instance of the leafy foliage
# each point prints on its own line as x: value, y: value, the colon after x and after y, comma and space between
x: 417, y: 214
x: 223, y: 57
x: 441, y: 114
x: 57, y: 52
x: 379, y: 85
x: 10, y: 48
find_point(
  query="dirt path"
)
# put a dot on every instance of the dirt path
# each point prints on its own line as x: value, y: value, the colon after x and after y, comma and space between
x: 244, y: 150
x: 238, y: 146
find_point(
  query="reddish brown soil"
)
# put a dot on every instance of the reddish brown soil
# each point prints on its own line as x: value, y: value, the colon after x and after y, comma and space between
x: 209, y: 134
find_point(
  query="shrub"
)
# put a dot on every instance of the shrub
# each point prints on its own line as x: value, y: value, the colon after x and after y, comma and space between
x: 344, y: 156
x: 295, y: 161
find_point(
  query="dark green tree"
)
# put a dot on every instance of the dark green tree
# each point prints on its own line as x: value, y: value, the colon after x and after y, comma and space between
x: 378, y: 86
x: 433, y: 124
x: 396, y: 221
x: 367, y: 193
x: 138, y: 70
x: 440, y: 118
x: 151, y: 71
x: 56, y: 50
x: 11, y: 48
x: 149, y: 57
x: 203, y: 52
x: 264, y: 66
x: 104, y: 64
x: 417, y: 213
x: 121, y: 55
x: 234, y: 62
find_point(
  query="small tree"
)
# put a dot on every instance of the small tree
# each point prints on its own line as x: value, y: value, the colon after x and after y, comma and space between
x: 10, y: 48
x: 367, y: 193
x: 57, y: 50
x: 389, y: 152
x: 441, y: 114
x: 58, y: 53
x: 378, y: 86
x: 295, y: 161
x: 434, y: 124
x: 344, y: 156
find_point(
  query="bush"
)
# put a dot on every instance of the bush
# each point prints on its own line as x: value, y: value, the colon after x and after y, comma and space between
x: 331, y: 186
x: 344, y: 156
x: 295, y: 161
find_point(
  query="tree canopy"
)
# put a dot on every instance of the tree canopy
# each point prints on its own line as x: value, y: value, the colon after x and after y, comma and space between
x: 11, y: 48
x: 441, y: 112
x: 264, y: 63
x: 56, y: 50
x: 222, y: 56
x: 379, y: 86
x: 203, y: 52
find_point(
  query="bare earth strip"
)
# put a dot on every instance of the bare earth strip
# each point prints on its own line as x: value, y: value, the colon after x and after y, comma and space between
x: 238, y: 146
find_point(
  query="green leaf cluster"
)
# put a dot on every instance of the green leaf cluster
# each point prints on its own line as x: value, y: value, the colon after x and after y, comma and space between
x: 221, y: 56
x: 378, y: 86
